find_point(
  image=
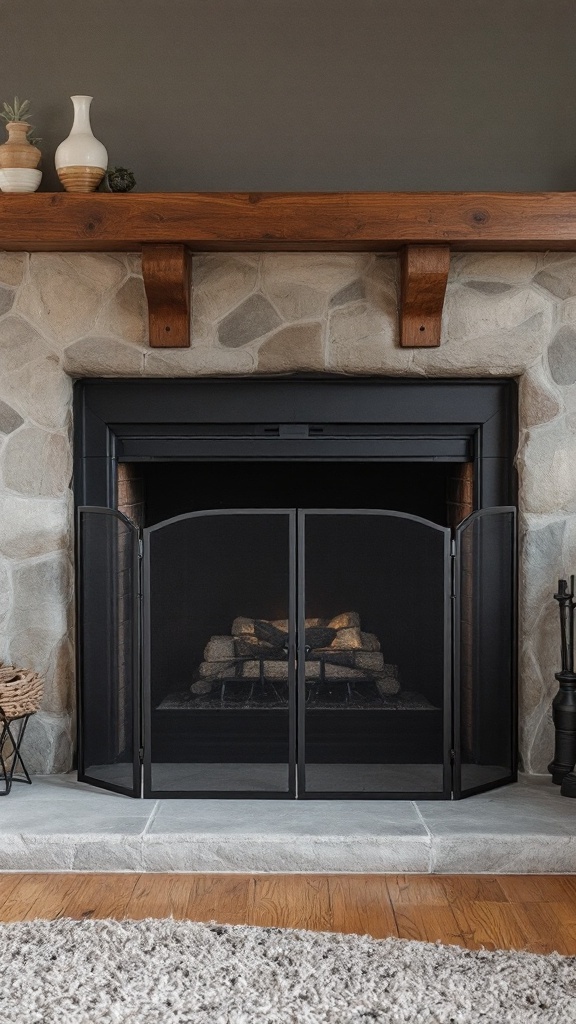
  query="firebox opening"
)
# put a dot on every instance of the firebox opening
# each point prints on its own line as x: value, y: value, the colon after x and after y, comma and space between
x: 150, y: 492
x: 219, y: 594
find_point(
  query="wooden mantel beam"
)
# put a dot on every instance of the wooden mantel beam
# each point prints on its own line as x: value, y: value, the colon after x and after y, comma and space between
x: 167, y: 226
x: 288, y: 221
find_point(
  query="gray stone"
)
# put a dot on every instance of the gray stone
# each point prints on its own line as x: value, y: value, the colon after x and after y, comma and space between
x: 5, y: 592
x: 199, y: 361
x: 221, y: 281
x: 541, y: 565
x: 33, y: 527
x: 12, y: 267
x: 538, y: 402
x: 514, y: 268
x: 42, y: 594
x: 6, y: 299
x: 43, y: 391
x: 364, y: 339
x: 541, y: 747
x: 497, y: 334
x: 350, y: 293
x: 65, y: 291
x: 297, y: 347
x: 126, y: 314
x: 253, y: 319
x: 327, y: 272
x: 546, y: 459
x: 37, y: 462
x: 489, y: 287
x: 59, y: 680
x: 108, y: 357
x: 32, y: 648
x: 558, y: 286
x: 296, y: 301
x: 47, y: 747
x: 562, y: 356
x: 9, y: 419
x: 558, y: 274
x: 19, y: 344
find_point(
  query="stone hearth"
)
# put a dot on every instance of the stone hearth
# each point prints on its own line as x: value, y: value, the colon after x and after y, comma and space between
x: 66, y: 316
x: 60, y: 824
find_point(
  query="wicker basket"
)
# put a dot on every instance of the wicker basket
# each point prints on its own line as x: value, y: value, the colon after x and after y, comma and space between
x: 20, y: 691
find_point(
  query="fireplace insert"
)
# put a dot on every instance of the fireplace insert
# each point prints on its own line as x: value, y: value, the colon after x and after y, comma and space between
x: 300, y: 587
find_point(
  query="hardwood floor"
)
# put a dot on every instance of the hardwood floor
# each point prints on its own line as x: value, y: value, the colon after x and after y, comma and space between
x: 531, y: 912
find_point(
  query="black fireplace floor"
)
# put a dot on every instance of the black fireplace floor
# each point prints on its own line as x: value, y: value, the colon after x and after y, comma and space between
x: 407, y: 700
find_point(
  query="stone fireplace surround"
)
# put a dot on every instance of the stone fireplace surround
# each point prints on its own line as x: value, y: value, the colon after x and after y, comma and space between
x: 68, y: 316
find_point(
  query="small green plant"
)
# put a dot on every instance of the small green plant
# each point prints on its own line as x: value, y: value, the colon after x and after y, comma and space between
x: 120, y: 179
x: 19, y: 111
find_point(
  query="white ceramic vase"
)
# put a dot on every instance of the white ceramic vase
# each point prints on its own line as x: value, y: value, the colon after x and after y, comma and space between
x: 81, y: 160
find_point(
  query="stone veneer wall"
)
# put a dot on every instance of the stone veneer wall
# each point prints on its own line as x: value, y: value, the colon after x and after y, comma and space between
x: 74, y: 315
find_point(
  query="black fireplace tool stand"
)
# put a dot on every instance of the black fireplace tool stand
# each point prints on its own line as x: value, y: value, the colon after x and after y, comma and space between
x: 11, y: 735
x: 564, y: 704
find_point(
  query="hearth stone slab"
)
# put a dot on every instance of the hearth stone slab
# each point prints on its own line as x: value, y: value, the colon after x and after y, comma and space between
x: 58, y: 824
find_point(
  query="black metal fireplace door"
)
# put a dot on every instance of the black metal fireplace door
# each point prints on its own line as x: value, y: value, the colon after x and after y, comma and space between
x: 310, y: 653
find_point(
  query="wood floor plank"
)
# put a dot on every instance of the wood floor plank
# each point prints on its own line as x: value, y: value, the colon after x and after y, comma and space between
x: 160, y: 895
x: 51, y: 899
x: 537, y: 888
x: 360, y: 904
x: 290, y: 901
x: 101, y: 896
x: 31, y: 889
x: 428, y: 889
x: 545, y: 930
x: 422, y: 910
x: 423, y: 923
x: 486, y: 888
x: 490, y: 925
x: 8, y: 884
x: 222, y: 898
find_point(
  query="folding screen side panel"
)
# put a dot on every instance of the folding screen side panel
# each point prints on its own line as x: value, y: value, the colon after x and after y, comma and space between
x: 485, y: 651
x: 108, y: 650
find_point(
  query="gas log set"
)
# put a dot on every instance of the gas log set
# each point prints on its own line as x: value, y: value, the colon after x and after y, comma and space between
x: 343, y: 663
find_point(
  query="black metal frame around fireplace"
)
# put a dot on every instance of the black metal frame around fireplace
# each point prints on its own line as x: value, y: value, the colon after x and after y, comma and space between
x: 290, y: 422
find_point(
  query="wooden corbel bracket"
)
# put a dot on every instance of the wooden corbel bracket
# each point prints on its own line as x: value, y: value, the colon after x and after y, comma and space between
x: 166, y: 270
x: 424, y: 274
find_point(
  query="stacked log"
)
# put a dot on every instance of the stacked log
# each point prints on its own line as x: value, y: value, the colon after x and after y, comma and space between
x: 335, y: 649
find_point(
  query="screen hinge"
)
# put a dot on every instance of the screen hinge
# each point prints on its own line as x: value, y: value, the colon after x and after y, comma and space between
x: 141, y: 755
x: 452, y: 570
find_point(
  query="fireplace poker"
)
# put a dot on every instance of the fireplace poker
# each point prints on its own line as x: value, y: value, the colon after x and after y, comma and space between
x: 564, y: 704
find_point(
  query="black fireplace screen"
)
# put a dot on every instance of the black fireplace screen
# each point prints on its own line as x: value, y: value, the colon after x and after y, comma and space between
x: 284, y: 652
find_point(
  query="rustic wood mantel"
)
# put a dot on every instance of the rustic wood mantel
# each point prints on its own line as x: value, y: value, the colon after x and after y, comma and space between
x: 168, y: 226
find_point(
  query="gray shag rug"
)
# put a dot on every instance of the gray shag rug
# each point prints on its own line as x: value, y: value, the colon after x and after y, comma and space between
x: 180, y: 972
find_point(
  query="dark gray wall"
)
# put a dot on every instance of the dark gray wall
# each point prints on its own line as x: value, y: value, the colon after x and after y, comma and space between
x: 306, y: 94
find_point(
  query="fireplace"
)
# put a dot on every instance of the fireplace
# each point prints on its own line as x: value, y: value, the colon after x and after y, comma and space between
x: 296, y: 587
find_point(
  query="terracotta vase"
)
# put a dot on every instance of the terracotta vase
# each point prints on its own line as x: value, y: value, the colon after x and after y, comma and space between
x: 81, y: 160
x: 17, y: 151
